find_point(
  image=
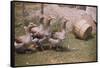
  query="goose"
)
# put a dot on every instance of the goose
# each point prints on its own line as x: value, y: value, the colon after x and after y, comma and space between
x: 31, y: 25
x: 47, y: 28
x: 58, y: 37
x: 46, y: 32
x: 61, y: 35
x: 41, y: 32
x: 37, y: 32
x: 38, y: 28
x: 54, y: 42
x: 22, y: 42
x: 42, y: 29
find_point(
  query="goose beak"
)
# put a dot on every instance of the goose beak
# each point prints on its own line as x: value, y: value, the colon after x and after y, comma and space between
x: 65, y: 19
x: 32, y: 25
x: 52, y: 17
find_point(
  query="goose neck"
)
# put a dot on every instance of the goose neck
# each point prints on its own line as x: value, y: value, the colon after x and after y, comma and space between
x: 41, y: 26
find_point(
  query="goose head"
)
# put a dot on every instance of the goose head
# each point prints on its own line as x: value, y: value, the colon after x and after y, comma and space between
x: 42, y: 19
x: 18, y: 40
x: 27, y: 31
x: 49, y: 19
x: 31, y: 25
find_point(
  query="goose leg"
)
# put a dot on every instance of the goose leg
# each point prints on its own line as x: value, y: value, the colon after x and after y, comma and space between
x: 57, y: 47
x: 40, y: 46
x: 50, y: 46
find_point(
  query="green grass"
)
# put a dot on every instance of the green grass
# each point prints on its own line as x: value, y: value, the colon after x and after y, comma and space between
x: 80, y: 51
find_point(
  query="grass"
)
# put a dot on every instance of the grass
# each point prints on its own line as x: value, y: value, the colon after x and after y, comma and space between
x: 79, y: 50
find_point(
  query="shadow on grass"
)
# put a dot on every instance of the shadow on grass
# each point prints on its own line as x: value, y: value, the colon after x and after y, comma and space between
x: 47, y: 48
x: 88, y: 38
x: 59, y: 49
x: 26, y: 52
x: 65, y: 49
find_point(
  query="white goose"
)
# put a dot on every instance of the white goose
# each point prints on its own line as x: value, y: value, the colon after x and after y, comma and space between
x: 58, y: 37
x: 39, y: 28
x: 61, y: 35
x: 24, y: 41
x: 54, y: 42
x: 47, y: 27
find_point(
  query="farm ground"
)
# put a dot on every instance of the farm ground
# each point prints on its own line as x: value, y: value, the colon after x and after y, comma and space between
x: 79, y: 51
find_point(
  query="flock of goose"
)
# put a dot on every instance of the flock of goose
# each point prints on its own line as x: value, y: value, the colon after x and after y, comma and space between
x: 35, y: 36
